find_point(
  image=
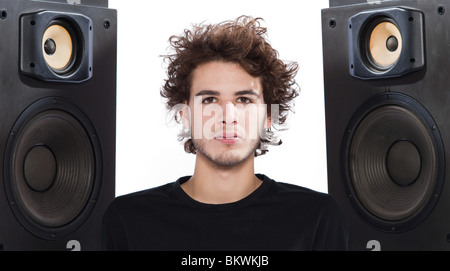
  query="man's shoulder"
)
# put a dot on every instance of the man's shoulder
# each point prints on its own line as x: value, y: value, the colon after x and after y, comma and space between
x: 305, y: 201
x: 293, y: 193
x: 148, y: 197
x: 288, y: 189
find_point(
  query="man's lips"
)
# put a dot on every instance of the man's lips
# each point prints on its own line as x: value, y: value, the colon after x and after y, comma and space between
x: 227, y: 138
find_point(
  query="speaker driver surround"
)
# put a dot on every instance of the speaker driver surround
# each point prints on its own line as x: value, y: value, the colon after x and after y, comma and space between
x: 52, y: 166
x: 394, y: 159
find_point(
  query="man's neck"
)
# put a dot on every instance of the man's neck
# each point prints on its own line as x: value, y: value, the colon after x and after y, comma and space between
x: 216, y: 185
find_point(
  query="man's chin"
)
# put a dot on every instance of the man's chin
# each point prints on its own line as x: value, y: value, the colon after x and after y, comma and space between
x: 227, y: 159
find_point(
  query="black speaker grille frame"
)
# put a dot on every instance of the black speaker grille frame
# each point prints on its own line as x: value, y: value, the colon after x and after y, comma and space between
x: 67, y: 225
x: 412, y: 218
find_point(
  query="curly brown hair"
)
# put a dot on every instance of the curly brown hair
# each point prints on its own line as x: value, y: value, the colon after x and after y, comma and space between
x: 241, y: 41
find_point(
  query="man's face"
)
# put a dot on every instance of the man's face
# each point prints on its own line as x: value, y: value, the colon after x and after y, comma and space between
x: 227, y: 113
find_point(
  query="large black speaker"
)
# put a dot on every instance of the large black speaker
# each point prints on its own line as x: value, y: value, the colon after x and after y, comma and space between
x: 58, y: 121
x: 387, y: 98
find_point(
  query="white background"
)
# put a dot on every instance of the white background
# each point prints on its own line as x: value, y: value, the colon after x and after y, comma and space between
x: 148, y: 152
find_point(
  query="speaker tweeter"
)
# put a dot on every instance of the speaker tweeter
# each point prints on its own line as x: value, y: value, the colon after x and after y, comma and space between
x: 56, y: 46
x: 385, y: 43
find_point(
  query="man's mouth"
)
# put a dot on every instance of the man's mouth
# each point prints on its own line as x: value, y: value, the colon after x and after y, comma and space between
x: 227, y: 138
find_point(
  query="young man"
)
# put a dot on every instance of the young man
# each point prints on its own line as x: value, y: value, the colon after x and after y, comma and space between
x: 224, y: 80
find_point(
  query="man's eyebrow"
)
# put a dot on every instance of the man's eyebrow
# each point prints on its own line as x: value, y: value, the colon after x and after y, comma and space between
x: 208, y: 92
x: 217, y: 93
x: 247, y: 92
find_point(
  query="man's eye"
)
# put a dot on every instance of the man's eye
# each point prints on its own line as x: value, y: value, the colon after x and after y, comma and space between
x: 244, y: 100
x: 209, y: 100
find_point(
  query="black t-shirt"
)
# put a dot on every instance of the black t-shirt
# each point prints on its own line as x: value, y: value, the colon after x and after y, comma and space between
x: 276, y: 216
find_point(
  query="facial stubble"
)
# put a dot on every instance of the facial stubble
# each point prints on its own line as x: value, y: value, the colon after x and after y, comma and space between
x: 227, y: 159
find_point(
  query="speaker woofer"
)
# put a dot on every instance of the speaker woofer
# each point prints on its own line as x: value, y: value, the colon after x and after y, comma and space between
x: 394, y: 162
x: 51, y: 168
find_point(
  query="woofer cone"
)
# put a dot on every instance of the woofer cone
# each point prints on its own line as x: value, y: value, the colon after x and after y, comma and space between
x: 52, y: 166
x: 394, y: 159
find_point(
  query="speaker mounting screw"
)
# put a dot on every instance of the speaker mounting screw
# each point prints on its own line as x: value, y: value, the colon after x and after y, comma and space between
x: 332, y: 23
x: 106, y: 24
x: 3, y: 14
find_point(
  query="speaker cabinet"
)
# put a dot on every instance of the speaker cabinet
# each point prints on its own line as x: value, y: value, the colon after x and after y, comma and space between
x: 57, y: 134
x: 387, y: 120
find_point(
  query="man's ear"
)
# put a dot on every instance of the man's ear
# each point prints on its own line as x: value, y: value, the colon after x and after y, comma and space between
x: 268, y: 122
x: 185, y: 115
x: 273, y: 116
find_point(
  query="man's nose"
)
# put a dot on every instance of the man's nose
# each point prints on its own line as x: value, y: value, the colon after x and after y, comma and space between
x: 230, y: 115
